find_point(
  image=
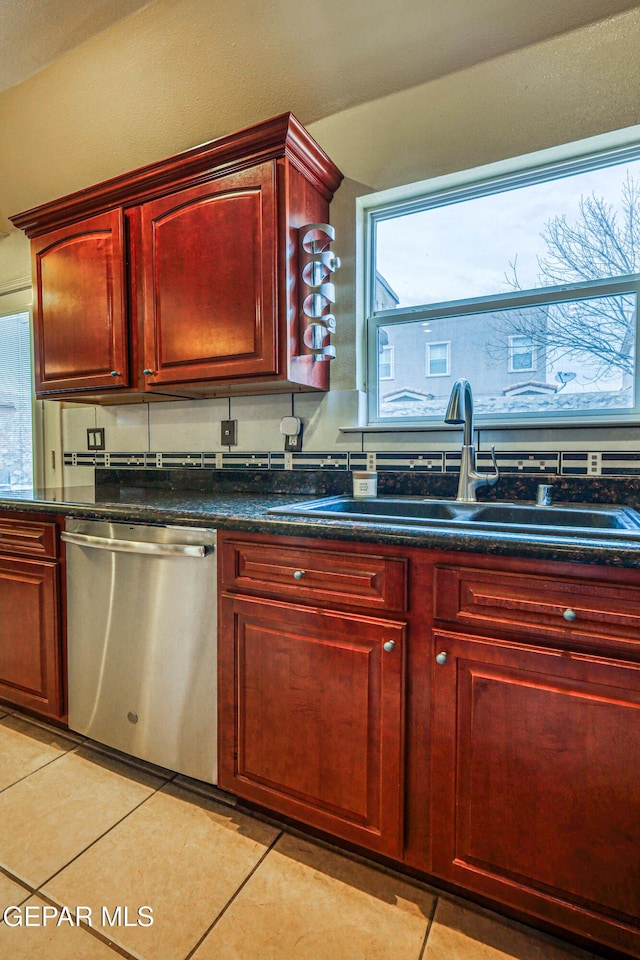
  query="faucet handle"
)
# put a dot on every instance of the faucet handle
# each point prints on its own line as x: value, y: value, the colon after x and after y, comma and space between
x: 492, y: 477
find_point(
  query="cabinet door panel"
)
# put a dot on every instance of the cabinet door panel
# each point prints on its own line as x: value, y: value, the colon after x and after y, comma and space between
x: 318, y: 717
x: 81, y: 306
x: 209, y: 290
x: 536, y: 782
x: 30, y: 668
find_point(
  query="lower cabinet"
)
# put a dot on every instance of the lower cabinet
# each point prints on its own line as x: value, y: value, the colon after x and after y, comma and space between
x: 31, y: 670
x: 535, y: 782
x: 480, y: 724
x: 311, y: 717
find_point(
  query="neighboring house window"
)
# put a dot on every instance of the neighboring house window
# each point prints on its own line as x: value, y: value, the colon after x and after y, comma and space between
x: 438, y: 359
x: 522, y: 354
x: 529, y: 270
x: 385, y: 364
x: 16, y: 407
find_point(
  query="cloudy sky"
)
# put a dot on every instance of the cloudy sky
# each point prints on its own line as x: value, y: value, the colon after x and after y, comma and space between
x: 463, y: 250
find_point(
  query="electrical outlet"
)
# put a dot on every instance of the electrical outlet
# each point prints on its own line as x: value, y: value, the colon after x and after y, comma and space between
x: 95, y: 438
x: 229, y: 433
x: 293, y: 444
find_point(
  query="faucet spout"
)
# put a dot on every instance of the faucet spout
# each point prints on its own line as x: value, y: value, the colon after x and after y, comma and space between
x: 460, y: 410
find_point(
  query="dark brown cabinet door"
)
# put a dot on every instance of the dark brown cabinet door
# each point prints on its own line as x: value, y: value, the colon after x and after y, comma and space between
x: 536, y: 783
x: 311, y: 717
x: 209, y: 264
x: 80, y: 318
x: 30, y: 650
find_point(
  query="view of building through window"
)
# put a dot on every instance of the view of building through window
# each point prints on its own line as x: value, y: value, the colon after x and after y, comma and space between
x: 531, y: 287
x: 16, y: 431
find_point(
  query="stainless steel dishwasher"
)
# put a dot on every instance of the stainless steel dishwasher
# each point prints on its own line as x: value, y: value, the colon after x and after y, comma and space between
x: 142, y: 641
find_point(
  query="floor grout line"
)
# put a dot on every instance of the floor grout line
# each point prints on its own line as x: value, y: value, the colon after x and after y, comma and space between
x: 47, y: 763
x: 102, y: 835
x: 234, y: 896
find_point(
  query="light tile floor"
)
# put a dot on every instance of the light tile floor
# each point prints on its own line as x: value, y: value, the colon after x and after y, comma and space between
x: 82, y: 828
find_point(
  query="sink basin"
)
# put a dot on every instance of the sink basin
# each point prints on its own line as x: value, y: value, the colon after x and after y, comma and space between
x: 563, y: 520
x: 602, y: 518
x: 382, y: 508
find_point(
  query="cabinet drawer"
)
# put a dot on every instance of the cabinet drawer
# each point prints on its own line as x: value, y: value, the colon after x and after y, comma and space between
x: 533, y: 606
x: 301, y: 573
x: 28, y: 538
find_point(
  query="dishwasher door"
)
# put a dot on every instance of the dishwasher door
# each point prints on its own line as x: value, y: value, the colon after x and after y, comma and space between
x: 141, y: 613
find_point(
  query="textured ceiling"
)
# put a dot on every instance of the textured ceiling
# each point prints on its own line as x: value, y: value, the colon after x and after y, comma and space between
x: 388, y: 44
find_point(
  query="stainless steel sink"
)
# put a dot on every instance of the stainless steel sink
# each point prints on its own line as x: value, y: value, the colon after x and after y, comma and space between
x: 602, y: 518
x: 400, y: 509
x: 563, y: 520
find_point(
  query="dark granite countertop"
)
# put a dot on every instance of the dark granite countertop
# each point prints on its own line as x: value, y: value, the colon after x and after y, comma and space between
x: 246, y: 510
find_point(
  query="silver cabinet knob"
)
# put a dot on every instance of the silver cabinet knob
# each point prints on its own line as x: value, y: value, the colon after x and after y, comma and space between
x: 569, y: 614
x: 114, y: 373
x: 389, y: 645
x: 298, y: 575
x: 441, y: 657
x: 147, y: 371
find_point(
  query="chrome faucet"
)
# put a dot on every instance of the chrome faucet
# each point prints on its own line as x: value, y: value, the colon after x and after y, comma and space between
x: 460, y: 410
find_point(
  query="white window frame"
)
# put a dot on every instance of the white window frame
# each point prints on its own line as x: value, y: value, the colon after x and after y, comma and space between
x: 429, y: 348
x: 14, y: 300
x: 533, y: 350
x: 589, y: 154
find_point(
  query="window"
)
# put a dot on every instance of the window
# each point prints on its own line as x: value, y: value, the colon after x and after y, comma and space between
x: 16, y: 430
x: 522, y: 354
x: 528, y: 277
x: 385, y: 363
x: 438, y: 359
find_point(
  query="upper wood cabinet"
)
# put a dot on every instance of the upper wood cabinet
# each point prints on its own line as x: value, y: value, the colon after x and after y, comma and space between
x: 81, y: 332
x: 209, y: 280
x: 181, y: 278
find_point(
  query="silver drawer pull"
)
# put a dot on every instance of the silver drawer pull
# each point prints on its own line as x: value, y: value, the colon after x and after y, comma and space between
x: 441, y: 657
x: 298, y: 575
x: 569, y: 615
x: 389, y: 645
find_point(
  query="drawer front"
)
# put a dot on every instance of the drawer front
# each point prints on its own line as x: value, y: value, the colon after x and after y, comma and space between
x: 28, y: 538
x: 338, y: 577
x: 531, y: 606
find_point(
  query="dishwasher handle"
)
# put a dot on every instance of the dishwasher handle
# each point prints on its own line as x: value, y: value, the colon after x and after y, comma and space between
x: 138, y: 546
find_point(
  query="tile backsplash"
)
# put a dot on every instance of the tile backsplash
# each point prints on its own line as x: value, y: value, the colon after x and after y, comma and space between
x: 187, y: 435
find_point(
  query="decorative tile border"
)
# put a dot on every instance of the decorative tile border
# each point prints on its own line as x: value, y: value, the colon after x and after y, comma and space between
x: 548, y: 463
x: 418, y: 462
x: 569, y: 463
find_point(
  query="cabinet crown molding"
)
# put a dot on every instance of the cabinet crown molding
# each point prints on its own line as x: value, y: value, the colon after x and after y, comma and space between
x: 279, y: 137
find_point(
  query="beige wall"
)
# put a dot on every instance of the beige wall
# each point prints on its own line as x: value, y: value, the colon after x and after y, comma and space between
x: 160, y: 82
x: 574, y: 86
